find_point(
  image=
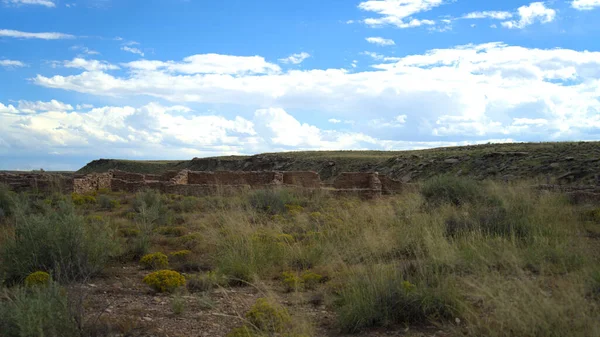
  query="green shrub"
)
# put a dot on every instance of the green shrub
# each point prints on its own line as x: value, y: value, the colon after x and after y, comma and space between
x: 106, y: 203
x: 383, y: 295
x: 150, y: 209
x: 164, y: 281
x: 38, y: 278
x: 267, y: 316
x: 271, y: 201
x: 311, y: 279
x: 129, y: 232
x: 449, y: 189
x: 205, y: 281
x: 291, y: 281
x: 186, y: 205
x: 154, y: 261
x: 58, y: 241
x: 180, y: 256
x: 79, y: 199
x: 171, y: 231
x: 39, y: 311
x: 7, y: 203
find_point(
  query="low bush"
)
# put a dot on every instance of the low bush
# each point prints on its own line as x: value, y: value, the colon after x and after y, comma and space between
x: 271, y: 201
x: 7, y: 202
x: 205, y: 281
x: 452, y: 190
x: 58, y: 241
x: 384, y: 295
x: 291, y: 281
x: 265, y: 317
x: 106, y: 203
x: 186, y: 205
x: 164, y: 281
x: 154, y: 261
x: 79, y: 199
x: 38, y: 311
x: 171, y: 231
x: 129, y: 232
x: 37, y: 279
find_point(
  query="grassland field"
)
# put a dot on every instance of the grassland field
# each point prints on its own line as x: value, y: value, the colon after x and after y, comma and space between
x: 450, y: 256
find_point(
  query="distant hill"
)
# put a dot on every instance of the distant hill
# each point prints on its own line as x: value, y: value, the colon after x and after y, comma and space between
x: 568, y: 162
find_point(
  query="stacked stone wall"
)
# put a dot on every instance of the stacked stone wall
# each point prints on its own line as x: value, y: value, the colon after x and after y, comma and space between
x: 307, y: 179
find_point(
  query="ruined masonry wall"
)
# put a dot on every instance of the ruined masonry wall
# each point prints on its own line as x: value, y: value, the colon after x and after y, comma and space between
x: 304, y: 179
x: 92, y: 182
x: 355, y: 180
x: 194, y: 183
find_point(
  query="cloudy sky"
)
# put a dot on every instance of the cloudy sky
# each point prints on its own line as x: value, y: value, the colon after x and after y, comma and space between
x: 176, y: 79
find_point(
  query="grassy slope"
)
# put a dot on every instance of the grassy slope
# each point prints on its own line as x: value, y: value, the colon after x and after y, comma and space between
x: 578, y: 160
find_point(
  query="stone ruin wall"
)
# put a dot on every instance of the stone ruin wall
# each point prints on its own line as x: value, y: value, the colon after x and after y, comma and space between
x: 92, y: 182
x: 42, y: 182
x: 196, y: 183
x: 306, y: 179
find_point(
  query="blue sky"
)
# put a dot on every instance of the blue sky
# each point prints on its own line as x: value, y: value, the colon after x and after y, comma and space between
x: 176, y: 79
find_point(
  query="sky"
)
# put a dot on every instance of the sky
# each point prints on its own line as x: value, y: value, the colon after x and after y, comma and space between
x: 177, y: 79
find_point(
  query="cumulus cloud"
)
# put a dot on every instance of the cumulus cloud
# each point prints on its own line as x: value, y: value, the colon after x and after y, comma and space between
x: 498, y: 15
x: 399, y: 12
x: 132, y: 50
x: 84, y: 50
x: 208, y: 64
x: 26, y: 35
x: 46, y: 3
x: 396, y: 122
x: 534, y: 12
x: 11, y: 64
x: 585, y: 5
x: 8, y: 109
x: 381, y: 41
x: 33, y: 107
x: 471, y: 91
x: 295, y: 58
x: 174, y: 132
x: 89, y: 65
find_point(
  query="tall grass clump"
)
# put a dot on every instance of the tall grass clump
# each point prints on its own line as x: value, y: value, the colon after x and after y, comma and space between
x: 384, y: 295
x: 38, y: 311
x: 271, y: 201
x: 452, y: 190
x: 58, y: 241
x: 7, y: 203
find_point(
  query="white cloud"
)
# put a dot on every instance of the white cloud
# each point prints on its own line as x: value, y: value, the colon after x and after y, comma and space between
x: 209, y: 64
x: 585, y: 5
x: 380, y: 57
x: 175, y: 132
x: 536, y: 11
x: 470, y: 91
x: 11, y: 63
x: 25, y: 35
x: 89, y: 65
x: 396, y: 122
x: 84, y: 106
x: 398, y: 12
x: 381, y: 41
x: 46, y: 3
x: 33, y: 107
x: 7, y: 109
x: 118, y: 131
x: 132, y: 50
x: 295, y: 58
x: 530, y: 121
x: 498, y: 15
x: 338, y: 121
x: 84, y: 50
